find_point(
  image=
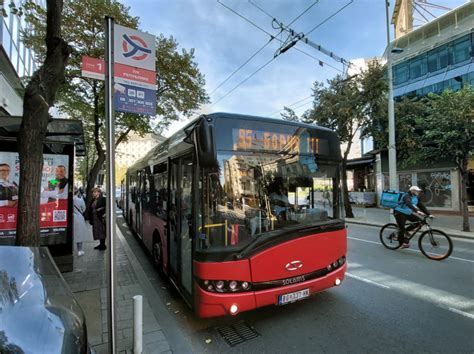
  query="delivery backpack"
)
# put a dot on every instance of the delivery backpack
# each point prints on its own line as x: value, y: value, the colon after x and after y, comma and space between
x: 391, y: 199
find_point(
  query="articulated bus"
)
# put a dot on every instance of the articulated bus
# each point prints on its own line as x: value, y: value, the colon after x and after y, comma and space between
x: 241, y: 212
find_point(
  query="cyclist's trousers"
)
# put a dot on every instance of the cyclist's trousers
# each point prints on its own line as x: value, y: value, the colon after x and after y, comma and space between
x: 401, y: 221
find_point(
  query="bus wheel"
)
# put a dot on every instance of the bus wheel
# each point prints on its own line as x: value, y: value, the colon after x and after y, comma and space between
x: 158, y: 254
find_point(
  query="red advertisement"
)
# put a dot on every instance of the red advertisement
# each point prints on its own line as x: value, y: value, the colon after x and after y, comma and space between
x: 54, y: 196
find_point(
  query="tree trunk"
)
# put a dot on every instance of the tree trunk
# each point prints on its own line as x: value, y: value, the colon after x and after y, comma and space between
x: 93, y: 173
x: 345, y: 191
x: 463, y: 171
x: 39, y: 97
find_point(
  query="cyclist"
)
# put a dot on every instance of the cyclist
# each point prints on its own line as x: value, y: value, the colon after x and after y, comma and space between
x: 410, y: 209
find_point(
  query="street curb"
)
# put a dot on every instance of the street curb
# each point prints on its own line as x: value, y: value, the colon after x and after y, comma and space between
x: 179, y: 345
x: 449, y: 233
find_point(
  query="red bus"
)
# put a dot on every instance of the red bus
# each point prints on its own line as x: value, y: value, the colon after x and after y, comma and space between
x: 241, y: 212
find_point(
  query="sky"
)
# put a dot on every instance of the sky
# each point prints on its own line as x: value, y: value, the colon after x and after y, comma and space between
x: 223, y: 41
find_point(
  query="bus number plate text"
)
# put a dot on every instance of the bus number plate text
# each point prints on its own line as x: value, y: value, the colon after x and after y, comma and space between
x: 292, y: 297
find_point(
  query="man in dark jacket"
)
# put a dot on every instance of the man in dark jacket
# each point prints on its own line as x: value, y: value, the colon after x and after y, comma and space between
x: 410, y: 209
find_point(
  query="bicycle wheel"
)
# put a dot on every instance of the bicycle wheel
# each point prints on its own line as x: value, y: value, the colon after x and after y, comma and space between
x: 435, y: 244
x: 389, y: 236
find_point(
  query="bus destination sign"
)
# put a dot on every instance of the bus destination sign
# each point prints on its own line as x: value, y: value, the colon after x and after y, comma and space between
x: 259, y: 140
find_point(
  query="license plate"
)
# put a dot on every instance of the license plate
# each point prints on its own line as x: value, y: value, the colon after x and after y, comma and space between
x: 292, y: 297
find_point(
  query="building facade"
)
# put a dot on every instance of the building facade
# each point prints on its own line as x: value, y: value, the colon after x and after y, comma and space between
x: 432, y: 58
x: 16, y: 61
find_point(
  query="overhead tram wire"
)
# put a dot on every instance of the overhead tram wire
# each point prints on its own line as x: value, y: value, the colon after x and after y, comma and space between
x: 241, y: 66
x: 329, y: 17
x: 290, y: 105
x: 321, y: 62
x: 301, y: 14
x: 268, y: 62
x: 274, y: 18
x: 240, y: 83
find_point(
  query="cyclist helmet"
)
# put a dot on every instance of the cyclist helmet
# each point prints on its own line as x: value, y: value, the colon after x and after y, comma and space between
x: 415, y: 189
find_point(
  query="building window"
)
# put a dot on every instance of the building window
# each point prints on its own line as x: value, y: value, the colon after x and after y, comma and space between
x: 460, y: 50
x: 401, y: 73
x: 418, y: 67
x: 436, y: 186
x: 438, y: 59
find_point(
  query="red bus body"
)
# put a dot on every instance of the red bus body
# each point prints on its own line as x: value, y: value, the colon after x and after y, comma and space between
x: 227, y: 254
x: 270, y: 265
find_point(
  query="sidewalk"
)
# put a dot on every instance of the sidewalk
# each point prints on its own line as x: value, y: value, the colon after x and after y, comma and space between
x: 450, y: 224
x: 88, y: 282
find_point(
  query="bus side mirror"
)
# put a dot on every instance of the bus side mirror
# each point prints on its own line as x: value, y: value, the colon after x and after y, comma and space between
x: 205, y: 149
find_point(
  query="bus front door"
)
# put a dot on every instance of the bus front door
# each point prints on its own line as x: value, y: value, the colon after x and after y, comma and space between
x: 180, y: 211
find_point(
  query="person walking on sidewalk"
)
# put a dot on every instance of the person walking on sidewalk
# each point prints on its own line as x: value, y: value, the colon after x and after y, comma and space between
x: 96, y: 218
x: 80, y: 227
x: 410, y: 209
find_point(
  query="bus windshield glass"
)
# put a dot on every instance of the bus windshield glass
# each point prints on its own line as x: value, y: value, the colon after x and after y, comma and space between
x: 252, y: 194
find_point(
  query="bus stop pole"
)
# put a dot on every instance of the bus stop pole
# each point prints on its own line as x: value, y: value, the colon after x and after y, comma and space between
x: 110, y: 190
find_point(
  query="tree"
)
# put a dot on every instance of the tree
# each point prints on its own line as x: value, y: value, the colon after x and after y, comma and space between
x: 290, y: 115
x: 448, y: 132
x: 179, y: 82
x: 39, y: 96
x: 340, y: 108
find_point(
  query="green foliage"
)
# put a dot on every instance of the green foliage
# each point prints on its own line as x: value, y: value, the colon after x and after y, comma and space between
x: 448, y: 131
x: 338, y: 107
x: 289, y: 114
x: 179, y: 81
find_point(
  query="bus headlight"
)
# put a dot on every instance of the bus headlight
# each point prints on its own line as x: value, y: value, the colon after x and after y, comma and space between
x: 233, y: 285
x: 220, y: 285
x: 223, y: 286
x: 336, y: 264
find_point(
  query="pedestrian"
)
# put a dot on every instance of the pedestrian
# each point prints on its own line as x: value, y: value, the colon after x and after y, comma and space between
x: 80, y: 227
x: 97, y: 218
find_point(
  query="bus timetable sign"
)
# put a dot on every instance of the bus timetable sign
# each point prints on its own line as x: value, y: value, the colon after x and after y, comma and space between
x: 134, y: 71
x: 135, y: 53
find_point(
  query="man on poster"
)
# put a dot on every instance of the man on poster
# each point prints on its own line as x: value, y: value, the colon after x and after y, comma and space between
x: 59, y: 183
x: 8, y: 189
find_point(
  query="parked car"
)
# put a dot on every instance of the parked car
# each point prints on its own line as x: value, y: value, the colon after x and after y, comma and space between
x: 38, y: 312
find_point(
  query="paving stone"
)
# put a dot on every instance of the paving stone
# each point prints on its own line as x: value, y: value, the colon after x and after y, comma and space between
x: 153, y: 337
x: 158, y: 347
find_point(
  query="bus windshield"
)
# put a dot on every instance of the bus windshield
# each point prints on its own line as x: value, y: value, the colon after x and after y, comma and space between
x: 252, y: 194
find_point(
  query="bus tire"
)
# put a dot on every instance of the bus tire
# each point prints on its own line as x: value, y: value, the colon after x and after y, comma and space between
x: 157, y: 254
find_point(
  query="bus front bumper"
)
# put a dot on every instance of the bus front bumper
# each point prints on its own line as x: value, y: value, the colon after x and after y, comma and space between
x: 210, y: 304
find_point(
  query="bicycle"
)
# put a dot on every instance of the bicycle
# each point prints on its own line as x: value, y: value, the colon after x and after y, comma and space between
x: 433, y: 243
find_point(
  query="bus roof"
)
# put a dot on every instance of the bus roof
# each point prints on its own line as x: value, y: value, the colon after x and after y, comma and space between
x: 179, y: 136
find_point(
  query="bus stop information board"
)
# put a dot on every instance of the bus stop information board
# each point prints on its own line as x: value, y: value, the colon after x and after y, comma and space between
x: 134, y: 71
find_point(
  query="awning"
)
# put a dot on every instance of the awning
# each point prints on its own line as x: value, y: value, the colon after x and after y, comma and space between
x: 62, y: 131
x: 360, y: 162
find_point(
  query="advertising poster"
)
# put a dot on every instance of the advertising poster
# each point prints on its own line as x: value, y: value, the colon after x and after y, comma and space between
x: 54, y: 196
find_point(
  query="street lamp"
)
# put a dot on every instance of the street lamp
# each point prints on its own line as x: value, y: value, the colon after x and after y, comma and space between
x: 392, y: 151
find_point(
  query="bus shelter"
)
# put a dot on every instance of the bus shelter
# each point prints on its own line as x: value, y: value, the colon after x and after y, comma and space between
x: 63, y: 142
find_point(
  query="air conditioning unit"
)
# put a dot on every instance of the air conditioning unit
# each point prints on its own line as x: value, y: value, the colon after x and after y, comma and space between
x: 5, y: 102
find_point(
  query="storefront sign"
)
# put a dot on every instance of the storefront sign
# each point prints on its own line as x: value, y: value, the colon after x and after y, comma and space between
x: 54, y: 195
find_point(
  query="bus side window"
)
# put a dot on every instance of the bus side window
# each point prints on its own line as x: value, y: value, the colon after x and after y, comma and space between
x: 160, y: 180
